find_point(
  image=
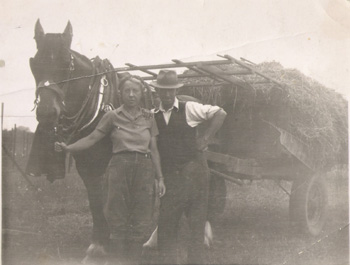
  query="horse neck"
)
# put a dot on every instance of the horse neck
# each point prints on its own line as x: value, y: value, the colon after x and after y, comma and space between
x: 78, y: 85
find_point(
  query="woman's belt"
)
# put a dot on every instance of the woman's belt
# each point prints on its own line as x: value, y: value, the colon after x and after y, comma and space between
x: 148, y: 155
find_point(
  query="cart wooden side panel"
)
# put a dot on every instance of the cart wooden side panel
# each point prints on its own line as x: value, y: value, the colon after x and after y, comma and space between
x: 295, y: 161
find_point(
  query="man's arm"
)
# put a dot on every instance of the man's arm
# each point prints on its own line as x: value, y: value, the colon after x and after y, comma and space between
x: 215, y: 123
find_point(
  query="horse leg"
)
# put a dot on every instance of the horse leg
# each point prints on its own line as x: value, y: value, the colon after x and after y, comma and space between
x: 100, y: 231
x: 91, y: 166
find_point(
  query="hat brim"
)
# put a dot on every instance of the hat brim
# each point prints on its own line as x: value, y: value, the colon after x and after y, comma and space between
x: 155, y: 84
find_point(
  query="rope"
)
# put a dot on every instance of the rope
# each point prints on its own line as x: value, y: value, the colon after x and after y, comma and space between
x: 24, y: 175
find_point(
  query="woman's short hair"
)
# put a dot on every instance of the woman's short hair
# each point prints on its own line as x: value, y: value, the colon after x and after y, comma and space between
x: 132, y: 78
x: 136, y: 80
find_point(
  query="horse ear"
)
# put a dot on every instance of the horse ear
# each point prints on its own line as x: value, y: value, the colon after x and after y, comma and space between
x: 68, y: 33
x: 38, y: 32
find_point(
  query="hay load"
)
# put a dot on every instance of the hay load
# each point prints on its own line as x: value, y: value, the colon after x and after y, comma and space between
x: 315, y: 115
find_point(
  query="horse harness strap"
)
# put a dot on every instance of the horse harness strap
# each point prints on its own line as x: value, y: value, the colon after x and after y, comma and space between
x: 49, y: 84
x: 79, y: 113
x: 99, y: 99
x: 100, y: 104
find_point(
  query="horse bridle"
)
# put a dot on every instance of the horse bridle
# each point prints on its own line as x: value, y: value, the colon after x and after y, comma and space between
x: 72, y: 124
x: 59, y: 91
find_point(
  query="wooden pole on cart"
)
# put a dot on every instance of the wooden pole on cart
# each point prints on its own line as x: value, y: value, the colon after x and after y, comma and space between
x: 195, y: 68
x: 252, y: 69
x: 143, y: 70
x: 172, y: 65
x: 229, y: 178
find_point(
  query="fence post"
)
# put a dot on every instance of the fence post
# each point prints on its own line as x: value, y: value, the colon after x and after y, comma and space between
x: 23, y: 143
x: 2, y: 116
x: 14, y: 133
x: 14, y: 140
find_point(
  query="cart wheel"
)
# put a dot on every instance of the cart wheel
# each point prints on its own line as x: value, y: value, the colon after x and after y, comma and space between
x: 308, y: 204
x: 217, y: 197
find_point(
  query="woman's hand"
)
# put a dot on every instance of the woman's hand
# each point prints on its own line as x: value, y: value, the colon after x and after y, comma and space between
x: 161, y: 189
x: 59, y: 147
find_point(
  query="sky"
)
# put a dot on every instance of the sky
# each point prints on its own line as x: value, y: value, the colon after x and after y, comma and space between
x: 312, y: 36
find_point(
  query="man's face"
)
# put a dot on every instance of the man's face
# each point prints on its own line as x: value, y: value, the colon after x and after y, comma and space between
x: 167, y: 96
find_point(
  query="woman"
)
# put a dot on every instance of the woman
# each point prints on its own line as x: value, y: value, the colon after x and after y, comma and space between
x: 130, y: 173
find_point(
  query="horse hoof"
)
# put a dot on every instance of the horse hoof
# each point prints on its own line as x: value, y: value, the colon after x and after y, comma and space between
x: 96, y: 250
x: 95, y: 254
x: 115, y: 261
x: 88, y: 260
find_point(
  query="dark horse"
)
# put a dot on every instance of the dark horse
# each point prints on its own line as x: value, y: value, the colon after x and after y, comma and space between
x: 72, y: 94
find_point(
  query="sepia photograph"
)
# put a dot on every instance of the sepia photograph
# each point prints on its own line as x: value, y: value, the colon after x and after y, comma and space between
x: 175, y: 132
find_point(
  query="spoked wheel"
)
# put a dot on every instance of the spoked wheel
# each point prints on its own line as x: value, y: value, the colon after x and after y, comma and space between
x: 308, y: 204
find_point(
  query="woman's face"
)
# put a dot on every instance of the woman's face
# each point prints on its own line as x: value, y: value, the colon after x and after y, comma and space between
x: 131, y: 94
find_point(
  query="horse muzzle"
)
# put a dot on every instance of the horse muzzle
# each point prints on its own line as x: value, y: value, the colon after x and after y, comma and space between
x: 46, y: 114
x: 50, y: 104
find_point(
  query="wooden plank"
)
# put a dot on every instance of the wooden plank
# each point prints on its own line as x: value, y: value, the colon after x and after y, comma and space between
x: 172, y: 65
x: 145, y: 71
x: 230, y: 79
x: 203, y: 85
x: 199, y: 85
x: 295, y: 146
x: 237, y: 72
x: 195, y: 68
x: 206, y: 69
x: 236, y: 165
x: 227, y: 177
x: 252, y: 69
x: 245, y: 60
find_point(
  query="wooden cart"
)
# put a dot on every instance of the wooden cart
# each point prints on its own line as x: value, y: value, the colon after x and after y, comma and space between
x: 294, y: 162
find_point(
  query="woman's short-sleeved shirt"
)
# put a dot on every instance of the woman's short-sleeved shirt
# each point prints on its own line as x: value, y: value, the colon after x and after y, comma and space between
x: 129, y: 133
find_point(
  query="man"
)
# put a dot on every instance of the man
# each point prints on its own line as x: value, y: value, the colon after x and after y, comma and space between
x: 185, y: 171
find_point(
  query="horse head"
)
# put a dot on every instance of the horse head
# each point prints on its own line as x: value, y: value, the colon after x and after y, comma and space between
x: 54, y: 66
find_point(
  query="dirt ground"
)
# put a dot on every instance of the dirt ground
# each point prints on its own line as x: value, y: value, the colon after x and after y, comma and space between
x: 52, y: 226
